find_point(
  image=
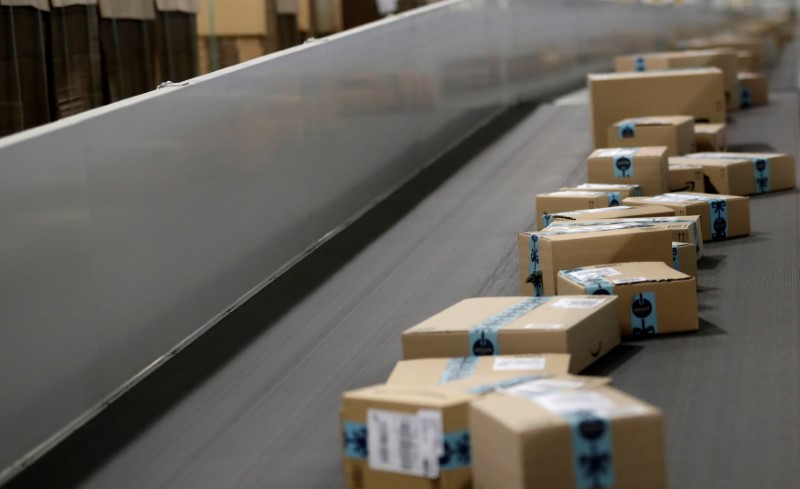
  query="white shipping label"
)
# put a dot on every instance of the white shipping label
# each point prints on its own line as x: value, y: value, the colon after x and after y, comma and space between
x: 405, y: 443
x: 570, y: 401
x: 543, y: 326
x: 574, y: 193
x: 606, y: 185
x: 604, y: 153
x: 631, y: 280
x: 591, y: 211
x: 519, y: 363
x: 541, y: 387
x: 593, y: 273
x: 587, y: 303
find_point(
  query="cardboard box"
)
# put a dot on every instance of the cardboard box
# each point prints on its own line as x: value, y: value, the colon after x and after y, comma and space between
x: 579, y: 326
x: 419, y: 437
x: 710, y: 137
x: 684, y: 258
x: 646, y: 166
x: 623, y: 189
x: 698, y: 92
x: 745, y: 60
x: 609, y: 213
x: 725, y: 59
x: 685, y: 177
x: 654, y: 298
x: 438, y: 371
x: 598, y: 437
x: 569, y: 200
x: 754, y: 89
x: 731, y: 214
x: 542, y: 254
x: 739, y: 43
x: 676, y: 132
x: 745, y: 173
x: 686, y: 229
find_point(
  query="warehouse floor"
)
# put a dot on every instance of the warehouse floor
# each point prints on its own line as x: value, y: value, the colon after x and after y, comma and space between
x: 254, y: 402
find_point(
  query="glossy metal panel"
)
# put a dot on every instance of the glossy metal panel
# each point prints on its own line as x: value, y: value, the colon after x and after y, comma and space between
x: 128, y: 229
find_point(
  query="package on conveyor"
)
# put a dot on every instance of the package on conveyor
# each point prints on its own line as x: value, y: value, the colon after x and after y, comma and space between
x: 617, y: 212
x: 744, y: 173
x: 723, y: 58
x: 686, y: 229
x: 419, y: 436
x: 754, y: 89
x: 543, y: 253
x: 569, y: 200
x: 684, y: 258
x: 646, y: 166
x: 697, y: 92
x: 685, y: 177
x: 654, y: 298
x: 437, y: 371
x: 676, y: 132
x: 752, y: 45
x: 745, y: 61
x: 525, y: 437
x: 721, y: 216
x: 623, y: 189
x: 580, y: 326
x: 710, y: 137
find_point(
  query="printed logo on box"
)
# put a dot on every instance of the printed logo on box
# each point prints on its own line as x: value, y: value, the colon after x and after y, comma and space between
x: 644, y: 321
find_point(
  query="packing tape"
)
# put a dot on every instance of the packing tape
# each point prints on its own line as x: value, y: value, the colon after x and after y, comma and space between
x: 502, y: 384
x: 676, y: 262
x: 623, y: 166
x: 598, y: 286
x: 355, y: 440
x: 483, y: 337
x: 592, y: 460
x: 458, y: 368
x: 745, y: 98
x: 761, y: 173
x: 614, y: 199
x: 534, y: 273
x: 639, y: 64
x: 626, y: 130
x: 719, y: 219
x: 643, y: 314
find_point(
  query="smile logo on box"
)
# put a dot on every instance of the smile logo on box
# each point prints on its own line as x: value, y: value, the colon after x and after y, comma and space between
x: 720, y: 225
x: 643, y: 314
x: 482, y: 346
x: 622, y: 165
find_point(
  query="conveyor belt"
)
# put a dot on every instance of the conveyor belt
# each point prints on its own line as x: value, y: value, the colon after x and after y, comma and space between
x: 254, y: 402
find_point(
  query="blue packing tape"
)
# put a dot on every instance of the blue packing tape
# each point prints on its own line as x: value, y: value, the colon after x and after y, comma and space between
x: 644, y: 321
x: 355, y: 440
x: 639, y: 64
x: 676, y: 262
x: 746, y: 98
x: 546, y: 220
x: 483, y: 337
x: 534, y: 273
x: 592, y: 454
x: 623, y: 166
x: 719, y: 219
x: 614, y: 199
x: 626, y: 130
x: 761, y: 173
x: 458, y: 368
x: 598, y: 286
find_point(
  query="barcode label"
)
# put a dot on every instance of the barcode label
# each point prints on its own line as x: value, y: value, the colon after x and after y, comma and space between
x: 593, y: 273
x: 541, y: 387
x: 631, y: 280
x: 405, y: 443
x: 587, y: 303
x: 519, y: 363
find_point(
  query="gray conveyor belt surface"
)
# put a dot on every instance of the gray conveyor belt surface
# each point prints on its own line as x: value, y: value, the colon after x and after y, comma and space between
x: 254, y: 402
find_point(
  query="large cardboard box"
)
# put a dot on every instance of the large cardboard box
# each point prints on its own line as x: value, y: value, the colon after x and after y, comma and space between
x: 686, y: 229
x: 737, y: 42
x: 610, y: 213
x: 684, y: 258
x: 698, y: 92
x: 710, y: 137
x: 745, y: 173
x: 754, y: 89
x: 676, y: 132
x: 579, y: 326
x: 685, y: 177
x: 542, y: 254
x: 645, y: 166
x: 725, y: 59
x: 438, y: 371
x: 569, y: 200
x: 600, y: 437
x: 745, y: 60
x: 654, y: 298
x: 623, y: 189
x: 721, y: 216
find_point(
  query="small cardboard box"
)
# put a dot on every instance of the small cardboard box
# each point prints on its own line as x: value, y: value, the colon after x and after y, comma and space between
x: 684, y: 258
x: 542, y: 254
x: 723, y: 58
x: 731, y: 213
x: 698, y: 92
x: 646, y: 166
x: 710, y: 137
x: 754, y: 89
x: 685, y: 177
x: 570, y: 200
x: 437, y: 371
x: 617, y: 212
x: 739, y: 43
x: 597, y: 437
x: 395, y: 436
x: 578, y: 326
x: 623, y: 189
x: 745, y: 173
x: 686, y: 229
x: 654, y: 298
x: 676, y: 132
x: 745, y: 61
